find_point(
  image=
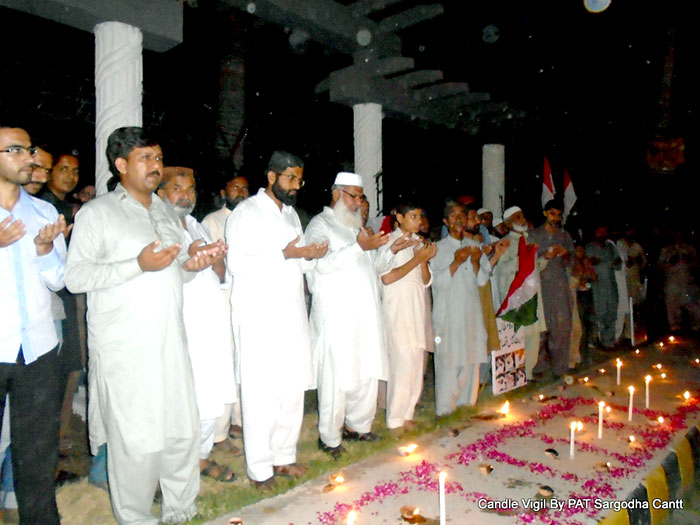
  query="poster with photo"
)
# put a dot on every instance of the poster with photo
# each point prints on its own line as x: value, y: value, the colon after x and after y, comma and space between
x: 508, y: 363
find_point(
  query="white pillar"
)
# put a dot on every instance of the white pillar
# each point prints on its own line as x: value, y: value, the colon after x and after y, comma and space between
x: 368, y: 152
x: 493, y: 178
x: 118, y: 88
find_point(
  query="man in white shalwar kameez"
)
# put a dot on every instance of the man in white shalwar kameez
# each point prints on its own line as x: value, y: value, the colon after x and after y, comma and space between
x: 128, y: 253
x: 267, y: 257
x: 459, y: 268
x: 206, y: 323
x: 346, y: 321
x: 236, y: 191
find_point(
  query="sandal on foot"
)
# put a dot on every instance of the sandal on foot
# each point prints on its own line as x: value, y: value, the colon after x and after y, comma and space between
x: 218, y: 472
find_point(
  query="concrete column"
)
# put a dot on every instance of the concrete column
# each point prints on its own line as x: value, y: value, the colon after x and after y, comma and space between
x: 118, y: 88
x: 368, y: 152
x: 493, y: 178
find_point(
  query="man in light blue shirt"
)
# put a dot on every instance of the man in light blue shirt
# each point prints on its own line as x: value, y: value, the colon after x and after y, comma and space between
x: 32, y: 255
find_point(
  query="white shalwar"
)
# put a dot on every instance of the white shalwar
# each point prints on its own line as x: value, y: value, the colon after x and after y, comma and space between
x: 623, y: 306
x: 209, y: 343
x: 347, y: 328
x: 458, y: 323
x: 405, y: 312
x: 142, y: 401
x: 215, y: 224
x: 270, y: 327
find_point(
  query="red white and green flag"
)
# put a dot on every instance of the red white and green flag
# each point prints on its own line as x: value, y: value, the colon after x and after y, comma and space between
x: 520, y: 305
x: 547, y: 184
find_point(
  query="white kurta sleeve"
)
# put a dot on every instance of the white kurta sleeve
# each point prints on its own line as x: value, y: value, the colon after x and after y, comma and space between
x: 84, y: 270
x: 335, y: 259
x: 484, y: 273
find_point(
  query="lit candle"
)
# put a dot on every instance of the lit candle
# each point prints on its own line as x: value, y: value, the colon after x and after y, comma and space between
x: 351, y: 517
x: 585, y: 379
x: 618, y: 364
x: 646, y: 391
x: 505, y: 408
x: 659, y: 366
x: 573, y: 439
x: 661, y: 345
x: 407, y: 450
x: 336, y: 479
x: 671, y: 339
x: 629, y: 415
x: 686, y: 395
x: 441, y: 485
x: 607, y: 409
x: 637, y: 351
x: 661, y: 420
x: 601, y: 406
x: 601, y: 371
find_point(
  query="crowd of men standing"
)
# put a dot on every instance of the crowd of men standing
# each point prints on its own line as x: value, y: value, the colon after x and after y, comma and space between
x: 197, y: 331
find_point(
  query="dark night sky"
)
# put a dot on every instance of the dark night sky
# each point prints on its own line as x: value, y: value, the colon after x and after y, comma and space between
x: 583, y: 88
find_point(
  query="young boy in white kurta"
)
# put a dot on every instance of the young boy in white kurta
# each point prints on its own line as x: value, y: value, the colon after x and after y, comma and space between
x: 405, y: 286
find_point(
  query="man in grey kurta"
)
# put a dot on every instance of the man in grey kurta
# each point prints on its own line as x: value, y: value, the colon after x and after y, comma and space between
x: 555, y: 248
x: 128, y: 253
x: 605, y: 301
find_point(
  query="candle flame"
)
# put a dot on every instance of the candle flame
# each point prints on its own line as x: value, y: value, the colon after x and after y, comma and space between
x: 618, y: 363
x: 647, y: 379
x: 416, y: 511
x: 607, y: 409
x: 411, y: 448
x: 660, y: 419
x: 659, y: 366
x: 663, y: 375
x: 637, y: 351
x: 672, y: 339
x: 579, y: 426
x: 601, y: 404
x: 631, y: 439
x: 337, y: 479
x: 661, y: 345
x: 585, y: 379
x: 601, y: 370
x: 573, y: 425
x: 631, y: 389
x: 505, y: 409
x: 697, y: 360
x: 351, y: 517
x: 686, y: 395
x: 541, y: 397
x: 443, y: 475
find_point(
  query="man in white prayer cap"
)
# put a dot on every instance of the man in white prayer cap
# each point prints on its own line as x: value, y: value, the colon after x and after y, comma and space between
x: 504, y: 273
x: 347, y: 330
x: 267, y: 257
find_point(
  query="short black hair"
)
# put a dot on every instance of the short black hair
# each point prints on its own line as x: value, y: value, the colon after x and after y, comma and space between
x: 451, y: 205
x: 281, y: 160
x: 120, y: 143
x: 123, y: 140
x: 556, y: 204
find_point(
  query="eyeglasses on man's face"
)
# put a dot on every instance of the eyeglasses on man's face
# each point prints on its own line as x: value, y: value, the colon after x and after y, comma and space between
x: 294, y: 178
x: 354, y: 197
x: 18, y: 150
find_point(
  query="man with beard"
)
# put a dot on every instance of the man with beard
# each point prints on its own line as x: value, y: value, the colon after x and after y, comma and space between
x: 267, y: 257
x: 235, y: 192
x: 43, y: 162
x: 206, y: 322
x: 504, y: 274
x: 128, y: 252
x: 347, y: 330
x: 459, y: 269
x: 32, y: 253
x: 555, y: 257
